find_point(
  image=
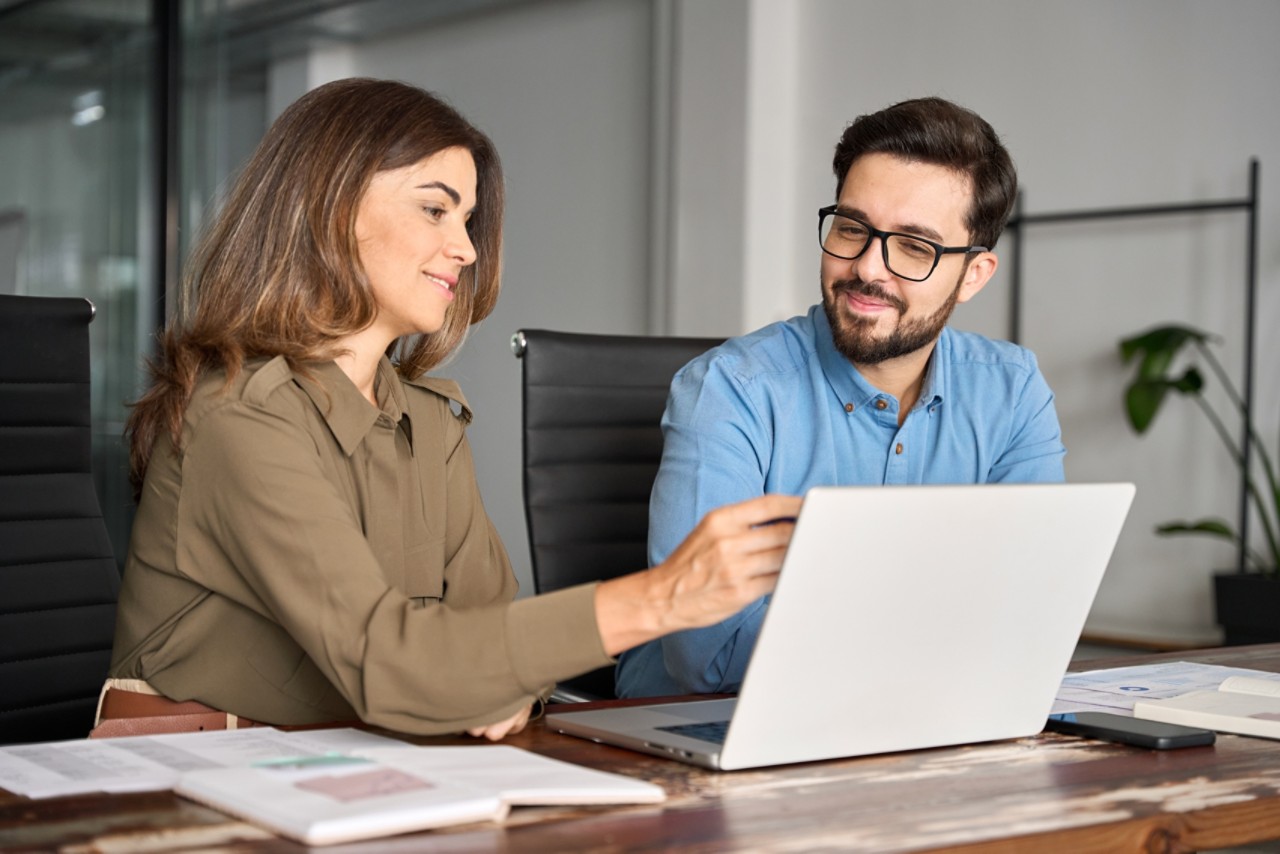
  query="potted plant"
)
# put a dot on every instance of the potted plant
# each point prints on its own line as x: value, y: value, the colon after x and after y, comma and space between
x: 1247, y: 601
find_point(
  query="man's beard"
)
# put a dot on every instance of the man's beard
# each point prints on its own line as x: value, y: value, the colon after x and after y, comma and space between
x: 854, y: 336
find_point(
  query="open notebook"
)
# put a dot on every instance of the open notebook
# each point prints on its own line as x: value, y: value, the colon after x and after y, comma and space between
x: 905, y: 617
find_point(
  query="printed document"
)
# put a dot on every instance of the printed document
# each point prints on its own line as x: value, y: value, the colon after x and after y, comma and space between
x: 152, y: 762
x: 1116, y: 689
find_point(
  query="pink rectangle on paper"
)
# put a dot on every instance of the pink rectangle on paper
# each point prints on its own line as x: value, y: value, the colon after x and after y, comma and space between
x: 377, y: 783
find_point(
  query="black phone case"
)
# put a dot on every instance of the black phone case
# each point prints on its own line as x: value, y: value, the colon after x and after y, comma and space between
x: 1119, y: 729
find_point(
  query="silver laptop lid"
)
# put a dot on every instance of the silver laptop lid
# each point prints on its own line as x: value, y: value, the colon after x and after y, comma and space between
x: 910, y: 617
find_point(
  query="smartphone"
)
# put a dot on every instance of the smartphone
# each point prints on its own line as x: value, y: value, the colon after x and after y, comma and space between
x: 1135, y: 731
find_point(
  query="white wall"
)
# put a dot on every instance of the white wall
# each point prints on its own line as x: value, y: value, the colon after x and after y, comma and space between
x: 710, y: 193
x: 563, y: 89
x: 1101, y: 104
x: 708, y: 204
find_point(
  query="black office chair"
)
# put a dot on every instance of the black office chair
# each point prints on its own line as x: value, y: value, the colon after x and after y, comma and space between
x: 58, y: 576
x: 592, y: 443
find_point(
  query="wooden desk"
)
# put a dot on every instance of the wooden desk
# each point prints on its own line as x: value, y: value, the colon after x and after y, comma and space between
x: 1046, y: 793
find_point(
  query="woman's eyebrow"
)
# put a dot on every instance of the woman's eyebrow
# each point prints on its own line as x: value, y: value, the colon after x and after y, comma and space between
x: 440, y: 185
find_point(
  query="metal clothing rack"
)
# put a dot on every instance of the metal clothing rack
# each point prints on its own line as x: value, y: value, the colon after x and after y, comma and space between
x: 1020, y: 221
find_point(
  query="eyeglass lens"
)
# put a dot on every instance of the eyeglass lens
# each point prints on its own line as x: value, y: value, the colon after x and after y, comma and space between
x: 904, y: 256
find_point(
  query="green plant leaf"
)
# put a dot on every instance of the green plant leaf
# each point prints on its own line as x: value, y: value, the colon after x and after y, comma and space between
x: 1144, y: 395
x: 1142, y: 401
x: 1191, y: 382
x: 1158, y: 347
x: 1207, y: 527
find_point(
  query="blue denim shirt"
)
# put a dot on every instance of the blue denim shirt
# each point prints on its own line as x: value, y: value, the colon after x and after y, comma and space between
x: 781, y: 410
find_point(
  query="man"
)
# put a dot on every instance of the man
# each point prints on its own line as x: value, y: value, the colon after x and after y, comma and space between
x: 871, y: 387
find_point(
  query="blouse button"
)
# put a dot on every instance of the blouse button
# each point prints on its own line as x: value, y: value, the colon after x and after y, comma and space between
x: 898, y: 450
x: 848, y: 407
x: 882, y: 404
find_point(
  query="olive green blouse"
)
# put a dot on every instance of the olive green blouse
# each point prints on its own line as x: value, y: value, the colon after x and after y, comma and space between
x: 305, y: 557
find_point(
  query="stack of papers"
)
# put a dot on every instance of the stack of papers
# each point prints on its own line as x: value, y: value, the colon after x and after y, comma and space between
x: 318, y: 786
x: 152, y: 762
x: 1117, y: 689
x: 1242, y: 704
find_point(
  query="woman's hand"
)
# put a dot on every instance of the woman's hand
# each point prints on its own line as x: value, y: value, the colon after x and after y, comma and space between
x: 731, y: 559
x: 502, y: 729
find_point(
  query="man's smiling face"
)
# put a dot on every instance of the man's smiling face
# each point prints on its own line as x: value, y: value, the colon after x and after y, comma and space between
x: 875, y: 315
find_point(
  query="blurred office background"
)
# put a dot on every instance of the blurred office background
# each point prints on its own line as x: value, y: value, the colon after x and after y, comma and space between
x: 664, y: 160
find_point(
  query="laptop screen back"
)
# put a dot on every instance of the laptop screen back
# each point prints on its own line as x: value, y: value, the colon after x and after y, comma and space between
x: 912, y: 617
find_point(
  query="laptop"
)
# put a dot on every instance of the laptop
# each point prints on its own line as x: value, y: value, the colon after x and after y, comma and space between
x: 905, y: 617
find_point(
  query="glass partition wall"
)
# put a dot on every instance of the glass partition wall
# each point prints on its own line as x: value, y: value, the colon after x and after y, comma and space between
x: 121, y: 123
x: 104, y: 181
x: 75, y: 193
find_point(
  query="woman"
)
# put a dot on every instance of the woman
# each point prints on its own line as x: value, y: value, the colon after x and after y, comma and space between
x: 309, y: 544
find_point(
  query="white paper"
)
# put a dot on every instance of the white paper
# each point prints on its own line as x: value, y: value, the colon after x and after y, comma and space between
x: 1251, y: 685
x: 330, y: 799
x: 523, y: 778
x: 1116, y: 689
x: 151, y: 762
x: 375, y: 792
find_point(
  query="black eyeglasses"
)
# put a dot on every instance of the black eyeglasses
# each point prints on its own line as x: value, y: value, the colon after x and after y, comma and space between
x: 907, y: 256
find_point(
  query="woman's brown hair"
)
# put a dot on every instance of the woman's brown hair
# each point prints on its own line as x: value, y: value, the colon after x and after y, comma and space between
x: 278, y: 271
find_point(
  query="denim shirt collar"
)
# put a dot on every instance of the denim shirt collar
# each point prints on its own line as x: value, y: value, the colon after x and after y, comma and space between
x: 851, y: 387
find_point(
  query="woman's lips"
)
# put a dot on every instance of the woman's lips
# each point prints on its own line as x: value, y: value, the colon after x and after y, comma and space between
x: 445, y: 284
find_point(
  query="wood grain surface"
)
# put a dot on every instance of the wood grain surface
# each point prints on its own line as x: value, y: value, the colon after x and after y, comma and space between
x: 1045, y: 793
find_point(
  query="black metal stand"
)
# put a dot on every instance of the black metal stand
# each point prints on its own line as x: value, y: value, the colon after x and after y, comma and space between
x: 1019, y: 221
x: 166, y: 18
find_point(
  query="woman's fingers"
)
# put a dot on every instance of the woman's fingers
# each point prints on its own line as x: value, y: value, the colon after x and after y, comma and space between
x: 754, y: 513
x: 730, y: 560
x: 502, y: 729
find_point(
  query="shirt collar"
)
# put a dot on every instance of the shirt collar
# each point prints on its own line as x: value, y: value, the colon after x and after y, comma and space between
x: 851, y: 387
x: 934, y: 388
x: 345, y: 410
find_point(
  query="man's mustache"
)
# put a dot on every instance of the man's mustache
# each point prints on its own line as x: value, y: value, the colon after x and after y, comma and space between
x: 867, y: 289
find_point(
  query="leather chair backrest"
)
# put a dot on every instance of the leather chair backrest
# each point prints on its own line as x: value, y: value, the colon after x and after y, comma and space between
x: 592, y: 406
x: 58, y: 576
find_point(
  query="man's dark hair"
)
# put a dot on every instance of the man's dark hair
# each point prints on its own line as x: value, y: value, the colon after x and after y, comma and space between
x: 933, y: 130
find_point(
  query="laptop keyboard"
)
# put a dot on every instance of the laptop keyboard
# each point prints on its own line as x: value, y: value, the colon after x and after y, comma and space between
x: 713, y: 731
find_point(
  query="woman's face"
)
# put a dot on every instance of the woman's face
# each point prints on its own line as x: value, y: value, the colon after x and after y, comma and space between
x: 411, y: 228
